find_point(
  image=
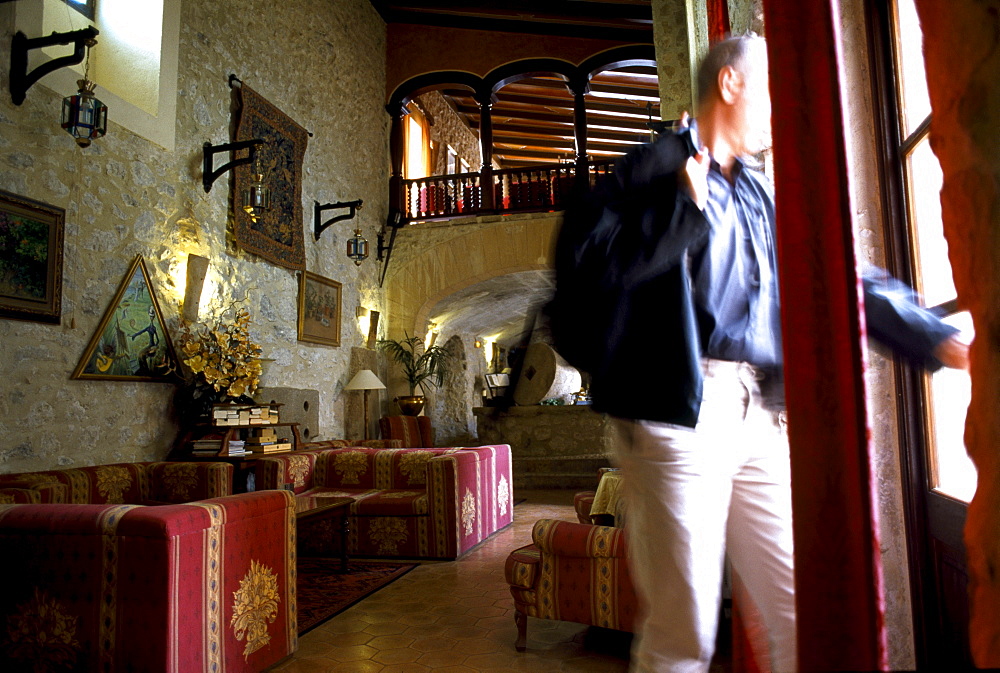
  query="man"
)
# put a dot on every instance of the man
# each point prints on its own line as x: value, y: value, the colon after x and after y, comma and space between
x: 687, y: 357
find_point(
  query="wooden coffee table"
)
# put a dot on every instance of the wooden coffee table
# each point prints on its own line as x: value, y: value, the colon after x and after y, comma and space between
x: 323, y: 507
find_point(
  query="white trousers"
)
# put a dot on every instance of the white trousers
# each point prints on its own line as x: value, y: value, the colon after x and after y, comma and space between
x: 692, y: 495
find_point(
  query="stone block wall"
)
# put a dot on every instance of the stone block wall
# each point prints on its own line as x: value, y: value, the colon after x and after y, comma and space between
x: 323, y: 64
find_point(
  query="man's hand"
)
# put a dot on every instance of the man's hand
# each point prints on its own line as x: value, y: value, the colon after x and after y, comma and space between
x: 953, y: 352
x: 694, y: 177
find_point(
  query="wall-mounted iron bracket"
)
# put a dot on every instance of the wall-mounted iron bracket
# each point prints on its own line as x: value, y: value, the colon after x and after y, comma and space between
x: 21, y: 80
x: 208, y: 176
x: 319, y: 228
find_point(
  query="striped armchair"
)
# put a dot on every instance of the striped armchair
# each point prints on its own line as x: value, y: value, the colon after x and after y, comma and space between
x: 414, y: 431
x: 573, y: 572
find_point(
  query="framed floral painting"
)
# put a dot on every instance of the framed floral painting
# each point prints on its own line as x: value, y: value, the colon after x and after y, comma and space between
x: 319, y: 309
x: 131, y: 343
x: 31, y: 258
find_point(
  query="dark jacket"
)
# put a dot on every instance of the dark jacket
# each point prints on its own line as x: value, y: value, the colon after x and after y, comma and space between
x: 623, y: 309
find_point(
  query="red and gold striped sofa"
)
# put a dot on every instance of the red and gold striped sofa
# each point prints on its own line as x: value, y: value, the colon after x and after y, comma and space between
x: 207, y: 586
x: 572, y: 572
x: 415, y: 503
x: 151, y: 483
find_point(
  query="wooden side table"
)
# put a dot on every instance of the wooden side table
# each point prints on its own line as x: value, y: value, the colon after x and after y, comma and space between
x: 327, y: 507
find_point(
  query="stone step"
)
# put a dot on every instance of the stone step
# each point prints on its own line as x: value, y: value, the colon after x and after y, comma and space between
x: 588, y: 464
x: 554, y: 480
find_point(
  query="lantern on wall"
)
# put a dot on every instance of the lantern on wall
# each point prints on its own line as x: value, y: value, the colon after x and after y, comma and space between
x: 357, y: 247
x: 84, y: 116
x: 257, y: 197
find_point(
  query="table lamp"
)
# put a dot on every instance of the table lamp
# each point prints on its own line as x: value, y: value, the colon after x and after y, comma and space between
x: 365, y: 380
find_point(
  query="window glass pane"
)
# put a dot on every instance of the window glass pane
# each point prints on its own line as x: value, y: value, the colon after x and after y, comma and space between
x: 915, y: 103
x: 924, y: 180
x: 415, y: 163
x: 952, y: 472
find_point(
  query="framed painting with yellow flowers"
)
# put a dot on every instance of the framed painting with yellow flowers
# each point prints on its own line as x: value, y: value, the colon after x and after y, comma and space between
x: 131, y: 342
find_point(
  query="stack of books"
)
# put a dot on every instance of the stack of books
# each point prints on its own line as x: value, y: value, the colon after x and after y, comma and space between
x: 235, y: 414
x: 237, y: 447
x: 266, y: 440
x: 206, y: 446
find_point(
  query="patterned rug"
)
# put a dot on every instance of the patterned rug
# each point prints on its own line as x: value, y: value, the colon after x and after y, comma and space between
x: 324, y: 592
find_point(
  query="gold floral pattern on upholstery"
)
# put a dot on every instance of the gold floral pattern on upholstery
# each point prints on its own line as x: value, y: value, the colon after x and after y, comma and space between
x: 503, y: 495
x: 112, y: 482
x: 42, y: 635
x: 298, y: 468
x: 468, y: 511
x: 413, y: 466
x: 388, y: 532
x: 395, y: 495
x: 6, y: 499
x: 255, y: 606
x: 179, y: 480
x: 350, y: 465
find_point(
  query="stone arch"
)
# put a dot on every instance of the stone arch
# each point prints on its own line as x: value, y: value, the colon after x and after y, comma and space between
x: 461, y: 256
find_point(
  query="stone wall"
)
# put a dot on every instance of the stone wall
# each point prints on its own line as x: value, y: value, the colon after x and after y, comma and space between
x: 551, y: 446
x: 447, y: 128
x: 323, y: 64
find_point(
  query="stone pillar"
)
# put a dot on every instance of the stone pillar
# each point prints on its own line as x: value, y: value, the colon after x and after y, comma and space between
x: 962, y: 57
x: 680, y: 34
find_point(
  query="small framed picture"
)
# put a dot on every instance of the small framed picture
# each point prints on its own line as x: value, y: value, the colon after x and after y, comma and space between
x: 31, y: 259
x: 131, y: 342
x: 319, y: 309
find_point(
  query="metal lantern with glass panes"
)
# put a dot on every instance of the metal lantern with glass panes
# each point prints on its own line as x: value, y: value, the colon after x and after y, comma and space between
x: 257, y: 197
x: 357, y: 247
x: 83, y: 116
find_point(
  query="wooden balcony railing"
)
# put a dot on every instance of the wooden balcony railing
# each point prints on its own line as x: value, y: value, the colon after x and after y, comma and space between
x: 514, y: 190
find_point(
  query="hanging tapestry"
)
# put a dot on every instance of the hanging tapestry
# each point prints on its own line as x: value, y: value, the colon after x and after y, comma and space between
x: 276, y: 233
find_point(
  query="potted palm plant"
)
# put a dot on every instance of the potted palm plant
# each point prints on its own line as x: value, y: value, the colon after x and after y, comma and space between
x: 419, y: 364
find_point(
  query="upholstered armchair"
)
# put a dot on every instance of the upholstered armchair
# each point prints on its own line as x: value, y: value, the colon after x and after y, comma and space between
x: 152, y: 483
x: 413, y: 431
x: 205, y: 586
x: 572, y: 572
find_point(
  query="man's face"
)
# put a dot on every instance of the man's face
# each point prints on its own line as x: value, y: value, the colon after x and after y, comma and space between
x: 756, y: 107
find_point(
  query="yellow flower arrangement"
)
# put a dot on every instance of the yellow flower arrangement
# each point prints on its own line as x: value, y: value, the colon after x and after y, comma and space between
x: 225, y: 357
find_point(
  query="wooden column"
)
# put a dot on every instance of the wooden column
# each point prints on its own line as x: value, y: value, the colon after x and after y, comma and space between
x: 397, y: 197
x: 485, y: 99
x: 579, y: 89
x: 838, y: 567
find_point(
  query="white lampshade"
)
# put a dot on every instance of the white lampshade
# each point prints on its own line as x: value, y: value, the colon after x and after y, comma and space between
x: 365, y: 380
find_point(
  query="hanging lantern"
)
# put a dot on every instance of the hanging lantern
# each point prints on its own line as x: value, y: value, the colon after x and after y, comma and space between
x: 83, y: 116
x: 257, y: 197
x: 357, y: 247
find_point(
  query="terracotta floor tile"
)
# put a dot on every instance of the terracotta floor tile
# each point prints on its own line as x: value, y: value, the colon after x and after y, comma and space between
x: 455, y: 617
x: 438, y: 659
x: 402, y: 655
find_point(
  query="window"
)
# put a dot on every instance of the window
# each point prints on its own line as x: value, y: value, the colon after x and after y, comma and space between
x: 417, y: 159
x: 947, y: 392
x: 134, y: 63
x: 85, y: 7
x: 451, y: 164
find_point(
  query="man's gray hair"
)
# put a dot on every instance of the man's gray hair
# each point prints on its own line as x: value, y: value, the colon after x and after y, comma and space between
x: 741, y: 52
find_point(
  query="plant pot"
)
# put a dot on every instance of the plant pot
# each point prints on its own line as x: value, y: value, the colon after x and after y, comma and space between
x: 410, y: 405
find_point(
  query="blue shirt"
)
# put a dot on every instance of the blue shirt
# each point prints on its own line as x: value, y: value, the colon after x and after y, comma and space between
x: 735, y: 275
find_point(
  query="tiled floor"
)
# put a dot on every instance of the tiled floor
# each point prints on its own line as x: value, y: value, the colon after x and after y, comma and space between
x: 458, y: 617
